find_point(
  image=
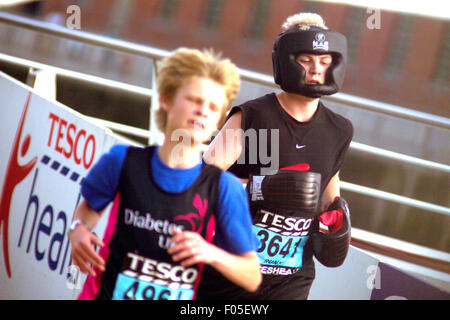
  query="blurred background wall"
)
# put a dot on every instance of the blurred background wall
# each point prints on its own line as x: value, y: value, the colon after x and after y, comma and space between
x: 404, y: 62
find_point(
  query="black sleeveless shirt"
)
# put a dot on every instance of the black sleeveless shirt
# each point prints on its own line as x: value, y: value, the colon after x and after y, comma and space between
x: 321, y: 142
x: 273, y: 140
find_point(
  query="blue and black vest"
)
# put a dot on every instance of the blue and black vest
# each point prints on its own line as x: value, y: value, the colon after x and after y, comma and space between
x: 138, y: 265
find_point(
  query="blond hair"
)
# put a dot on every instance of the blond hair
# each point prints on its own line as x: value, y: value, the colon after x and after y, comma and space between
x: 183, y: 65
x: 303, y: 19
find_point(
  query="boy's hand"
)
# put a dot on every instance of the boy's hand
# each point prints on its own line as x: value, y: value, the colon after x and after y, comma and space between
x: 190, y: 248
x: 83, y: 254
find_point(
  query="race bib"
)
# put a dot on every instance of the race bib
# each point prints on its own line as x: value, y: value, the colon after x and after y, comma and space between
x: 281, y: 242
x: 142, y: 278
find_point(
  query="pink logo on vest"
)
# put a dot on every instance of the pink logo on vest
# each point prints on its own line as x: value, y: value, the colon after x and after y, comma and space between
x: 196, y: 219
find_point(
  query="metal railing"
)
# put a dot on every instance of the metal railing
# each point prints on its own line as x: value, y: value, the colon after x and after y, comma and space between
x: 138, y: 132
x: 401, y: 250
x: 156, y: 54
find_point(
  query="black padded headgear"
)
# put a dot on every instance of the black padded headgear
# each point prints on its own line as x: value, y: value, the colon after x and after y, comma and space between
x: 290, y: 75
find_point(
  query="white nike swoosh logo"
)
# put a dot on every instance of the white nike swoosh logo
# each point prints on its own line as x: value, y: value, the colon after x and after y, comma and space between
x: 300, y: 146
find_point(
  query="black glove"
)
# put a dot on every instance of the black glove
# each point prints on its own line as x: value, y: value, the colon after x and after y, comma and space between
x: 296, y: 193
x: 331, y: 248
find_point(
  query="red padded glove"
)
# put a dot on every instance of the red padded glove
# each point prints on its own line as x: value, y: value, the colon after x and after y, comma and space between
x: 332, y: 219
x: 297, y: 167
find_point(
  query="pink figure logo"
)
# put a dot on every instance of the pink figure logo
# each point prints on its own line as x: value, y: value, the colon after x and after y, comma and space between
x: 192, y: 217
x: 15, y: 173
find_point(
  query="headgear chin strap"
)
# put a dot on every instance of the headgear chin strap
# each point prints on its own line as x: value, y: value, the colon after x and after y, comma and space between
x: 290, y: 75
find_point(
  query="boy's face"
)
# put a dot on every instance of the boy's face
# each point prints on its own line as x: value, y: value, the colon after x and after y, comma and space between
x: 195, y: 110
x: 315, y: 67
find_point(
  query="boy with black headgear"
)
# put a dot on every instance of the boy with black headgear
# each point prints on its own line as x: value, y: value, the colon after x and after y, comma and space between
x: 309, y: 62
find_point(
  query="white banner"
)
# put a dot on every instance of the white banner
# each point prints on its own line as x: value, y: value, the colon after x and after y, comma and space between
x: 46, y: 151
